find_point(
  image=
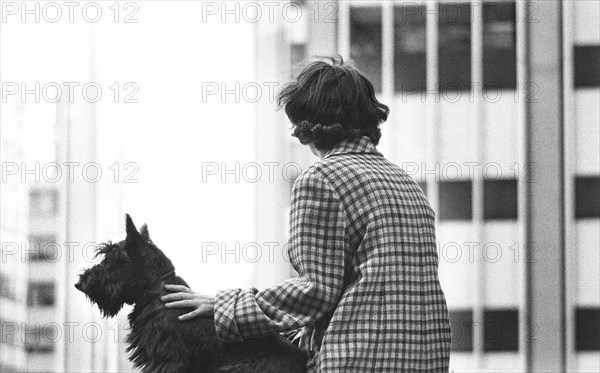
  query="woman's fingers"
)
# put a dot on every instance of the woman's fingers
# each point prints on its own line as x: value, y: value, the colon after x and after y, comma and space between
x: 199, y: 312
x: 182, y: 304
x: 190, y: 315
x: 180, y: 288
x: 184, y: 297
x: 176, y: 296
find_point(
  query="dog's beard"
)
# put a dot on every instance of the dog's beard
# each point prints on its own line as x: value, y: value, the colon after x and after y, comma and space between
x: 110, y: 311
x: 108, y: 304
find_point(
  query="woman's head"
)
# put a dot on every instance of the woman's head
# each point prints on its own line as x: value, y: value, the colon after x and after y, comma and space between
x: 331, y: 101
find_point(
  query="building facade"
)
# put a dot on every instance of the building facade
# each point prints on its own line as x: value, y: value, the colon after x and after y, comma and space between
x: 494, y: 111
x: 51, y: 227
x: 44, y: 256
x: 51, y: 232
x: 14, y: 230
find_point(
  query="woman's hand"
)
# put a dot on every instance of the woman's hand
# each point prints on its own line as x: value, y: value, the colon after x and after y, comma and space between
x: 184, y: 297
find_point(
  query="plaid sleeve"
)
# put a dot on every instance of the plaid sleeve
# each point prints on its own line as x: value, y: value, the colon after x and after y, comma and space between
x: 317, y: 246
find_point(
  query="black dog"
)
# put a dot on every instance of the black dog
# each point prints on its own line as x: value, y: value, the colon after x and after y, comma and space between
x: 135, y: 271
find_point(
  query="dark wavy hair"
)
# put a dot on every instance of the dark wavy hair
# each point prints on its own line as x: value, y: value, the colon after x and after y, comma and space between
x: 331, y: 101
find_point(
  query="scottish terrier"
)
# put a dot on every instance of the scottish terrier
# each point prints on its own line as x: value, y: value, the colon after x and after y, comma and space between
x: 135, y: 271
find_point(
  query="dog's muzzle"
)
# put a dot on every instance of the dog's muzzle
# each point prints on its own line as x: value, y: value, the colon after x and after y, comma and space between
x: 83, y: 282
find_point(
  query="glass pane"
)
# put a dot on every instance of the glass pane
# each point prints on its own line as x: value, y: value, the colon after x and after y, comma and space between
x: 499, y: 46
x: 410, y: 47
x: 587, y: 197
x: 454, y: 46
x: 40, y: 339
x: 43, y: 203
x: 461, y: 324
x: 500, y: 199
x: 587, y: 329
x: 587, y: 66
x: 40, y: 294
x: 365, y: 42
x: 43, y: 247
x: 455, y: 200
x: 501, y: 330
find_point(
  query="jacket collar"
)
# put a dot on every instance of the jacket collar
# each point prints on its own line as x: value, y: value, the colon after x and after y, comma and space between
x: 357, y: 145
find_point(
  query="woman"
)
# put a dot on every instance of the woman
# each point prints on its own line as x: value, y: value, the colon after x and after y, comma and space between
x: 362, y: 240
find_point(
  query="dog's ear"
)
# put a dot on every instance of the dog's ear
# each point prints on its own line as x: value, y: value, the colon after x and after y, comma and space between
x: 144, y: 232
x: 132, y: 232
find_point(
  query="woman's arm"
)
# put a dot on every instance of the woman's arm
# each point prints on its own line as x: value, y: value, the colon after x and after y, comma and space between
x: 318, y: 251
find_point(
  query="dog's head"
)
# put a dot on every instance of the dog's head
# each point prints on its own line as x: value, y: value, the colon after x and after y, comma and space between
x: 128, y: 269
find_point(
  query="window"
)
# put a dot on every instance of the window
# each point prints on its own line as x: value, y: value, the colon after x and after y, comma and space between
x: 500, y: 199
x: 40, y: 339
x: 454, y: 46
x: 501, y: 330
x: 587, y: 66
x: 461, y: 324
x: 410, y: 48
x: 40, y: 294
x: 6, y: 287
x: 365, y: 42
x: 8, y: 369
x: 43, y: 248
x: 499, y: 46
x: 43, y: 202
x: 455, y: 200
x: 587, y: 329
x: 587, y: 197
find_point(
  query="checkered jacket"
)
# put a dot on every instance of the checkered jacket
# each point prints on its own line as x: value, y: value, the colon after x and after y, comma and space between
x: 367, y: 295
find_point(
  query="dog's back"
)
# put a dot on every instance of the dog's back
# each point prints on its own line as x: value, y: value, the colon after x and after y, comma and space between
x: 160, y: 342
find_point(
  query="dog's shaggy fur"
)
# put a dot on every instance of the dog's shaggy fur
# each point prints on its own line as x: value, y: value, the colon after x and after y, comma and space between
x: 135, y: 271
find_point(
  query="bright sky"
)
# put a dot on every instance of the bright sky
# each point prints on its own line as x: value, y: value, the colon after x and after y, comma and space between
x: 168, y: 54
